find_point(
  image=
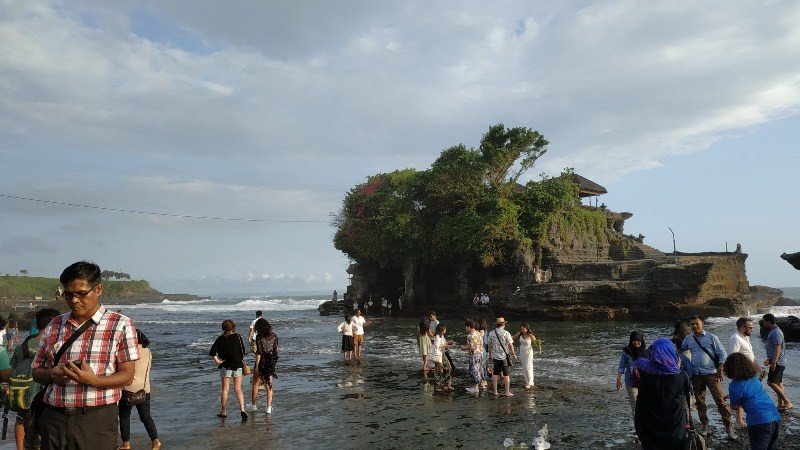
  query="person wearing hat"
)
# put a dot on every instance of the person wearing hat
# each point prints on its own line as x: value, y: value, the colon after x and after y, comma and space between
x: 501, y: 346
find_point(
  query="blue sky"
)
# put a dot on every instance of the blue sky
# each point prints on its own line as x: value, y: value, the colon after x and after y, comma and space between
x: 687, y: 113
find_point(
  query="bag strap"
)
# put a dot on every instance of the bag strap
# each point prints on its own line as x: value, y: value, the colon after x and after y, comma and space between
x: 501, y: 343
x: 71, y: 340
x: 687, y: 383
x: 713, y: 357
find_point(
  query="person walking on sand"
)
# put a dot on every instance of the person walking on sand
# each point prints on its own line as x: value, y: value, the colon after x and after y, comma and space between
x: 228, y: 353
x: 359, y: 322
x: 346, y: 328
x: 475, y: 354
x: 501, y: 346
x: 776, y: 360
x: 630, y: 353
x: 708, y: 355
x: 266, y: 358
x: 739, y: 342
x: 141, y: 381
x: 745, y: 392
x: 526, y: 338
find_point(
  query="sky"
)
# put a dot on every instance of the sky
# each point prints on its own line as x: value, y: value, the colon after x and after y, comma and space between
x: 687, y: 112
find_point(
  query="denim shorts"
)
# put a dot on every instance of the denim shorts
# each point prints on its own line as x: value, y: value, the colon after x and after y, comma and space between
x: 228, y: 373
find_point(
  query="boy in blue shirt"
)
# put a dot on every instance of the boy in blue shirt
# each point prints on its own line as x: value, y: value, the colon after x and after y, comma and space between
x: 745, y: 390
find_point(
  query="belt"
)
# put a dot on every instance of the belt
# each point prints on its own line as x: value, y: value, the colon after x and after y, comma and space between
x: 76, y: 410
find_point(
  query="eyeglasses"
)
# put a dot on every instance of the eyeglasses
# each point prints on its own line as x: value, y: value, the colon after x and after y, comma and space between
x: 80, y: 294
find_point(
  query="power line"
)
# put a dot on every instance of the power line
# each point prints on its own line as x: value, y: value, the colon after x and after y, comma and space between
x: 151, y: 213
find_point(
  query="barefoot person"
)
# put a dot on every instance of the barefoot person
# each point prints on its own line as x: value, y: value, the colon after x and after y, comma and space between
x: 776, y: 360
x: 442, y: 369
x: 86, y: 380
x: 424, y: 343
x: 228, y: 354
x: 346, y: 328
x: 141, y: 380
x: 475, y: 353
x: 501, y: 345
x: 526, y: 338
x: 359, y: 322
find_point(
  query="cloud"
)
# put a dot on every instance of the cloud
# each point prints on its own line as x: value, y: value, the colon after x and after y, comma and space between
x: 25, y: 245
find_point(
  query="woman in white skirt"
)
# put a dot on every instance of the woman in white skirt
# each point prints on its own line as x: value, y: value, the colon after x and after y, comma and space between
x: 526, y: 339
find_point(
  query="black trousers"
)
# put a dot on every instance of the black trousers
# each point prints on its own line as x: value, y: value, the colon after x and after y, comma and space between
x: 96, y: 429
x: 144, y: 415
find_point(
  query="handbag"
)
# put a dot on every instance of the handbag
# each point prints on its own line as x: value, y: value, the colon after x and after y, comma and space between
x: 246, y: 370
x: 37, y: 403
x: 508, y: 357
x: 140, y: 396
x: 692, y: 440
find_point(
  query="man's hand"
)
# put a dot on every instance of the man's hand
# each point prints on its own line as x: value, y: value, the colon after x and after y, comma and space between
x: 58, y: 376
x: 81, y: 374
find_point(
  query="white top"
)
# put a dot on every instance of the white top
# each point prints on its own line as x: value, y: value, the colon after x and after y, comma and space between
x: 346, y: 329
x: 436, y: 348
x: 495, y: 345
x: 358, y: 323
x: 741, y: 344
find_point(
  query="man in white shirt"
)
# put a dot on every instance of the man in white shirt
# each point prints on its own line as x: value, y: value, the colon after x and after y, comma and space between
x: 501, y: 344
x: 251, y: 334
x: 740, y: 342
x: 359, y: 322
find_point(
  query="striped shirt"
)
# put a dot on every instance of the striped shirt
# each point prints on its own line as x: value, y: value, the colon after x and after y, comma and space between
x: 109, y: 341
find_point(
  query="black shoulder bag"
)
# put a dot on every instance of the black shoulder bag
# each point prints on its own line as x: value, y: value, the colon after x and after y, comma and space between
x: 713, y: 357
x: 38, y: 404
x: 508, y: 357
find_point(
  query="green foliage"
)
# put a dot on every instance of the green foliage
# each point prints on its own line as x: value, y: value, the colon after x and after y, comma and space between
x: 28, y: 287
x: 466, y: 206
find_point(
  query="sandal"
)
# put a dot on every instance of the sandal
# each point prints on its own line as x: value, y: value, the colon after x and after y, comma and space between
x: 221, y: 414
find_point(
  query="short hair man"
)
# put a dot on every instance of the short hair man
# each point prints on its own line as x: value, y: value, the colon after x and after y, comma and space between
x: 85, y: 384
x: 708, y: 356
x: 251, y: 335
x: 434, y: 322
x: 776, y: 360
x: 501, y: 344
x: 739, y: 342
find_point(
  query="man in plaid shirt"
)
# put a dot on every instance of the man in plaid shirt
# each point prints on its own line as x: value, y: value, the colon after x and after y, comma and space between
x: 85, y: 384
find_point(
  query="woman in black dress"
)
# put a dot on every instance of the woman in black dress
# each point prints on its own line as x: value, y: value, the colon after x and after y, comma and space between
x: 266, y: 357
x: 661, y: 404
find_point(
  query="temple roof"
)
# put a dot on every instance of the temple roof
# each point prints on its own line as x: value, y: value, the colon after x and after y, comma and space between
x: 588, y: 187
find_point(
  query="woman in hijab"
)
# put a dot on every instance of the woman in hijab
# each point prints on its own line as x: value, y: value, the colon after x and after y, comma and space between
x: 661, y: 404
x: 630, y: 353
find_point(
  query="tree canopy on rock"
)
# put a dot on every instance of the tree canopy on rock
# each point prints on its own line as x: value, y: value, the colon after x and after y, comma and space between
x: 467, y: 205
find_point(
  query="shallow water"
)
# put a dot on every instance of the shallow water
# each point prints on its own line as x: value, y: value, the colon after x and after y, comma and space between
x: 384, y: 402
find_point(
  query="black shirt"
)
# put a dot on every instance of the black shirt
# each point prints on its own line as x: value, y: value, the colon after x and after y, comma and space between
x: 230, y: 349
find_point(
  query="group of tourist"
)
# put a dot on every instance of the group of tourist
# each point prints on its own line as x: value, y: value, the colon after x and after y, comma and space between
x: 661, y: 378
x: 228, y: 352
x: 490, y: 354
x: 76, y: 377
x: 352, y: 330
x: 480, y: 299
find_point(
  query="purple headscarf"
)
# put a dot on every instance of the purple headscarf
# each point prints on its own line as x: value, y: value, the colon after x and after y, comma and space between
x: 662, y: 360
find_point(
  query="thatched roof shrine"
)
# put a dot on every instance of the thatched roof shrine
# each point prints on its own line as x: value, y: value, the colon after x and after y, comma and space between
x: 588, y: 188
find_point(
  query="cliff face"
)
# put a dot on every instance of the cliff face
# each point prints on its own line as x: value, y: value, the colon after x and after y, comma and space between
x: 584, y: 269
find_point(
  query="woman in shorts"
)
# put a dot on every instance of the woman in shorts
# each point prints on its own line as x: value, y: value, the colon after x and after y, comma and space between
x: 228, y: 353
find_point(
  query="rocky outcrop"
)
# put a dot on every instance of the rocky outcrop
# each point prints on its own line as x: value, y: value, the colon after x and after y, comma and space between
x: 793, y: 259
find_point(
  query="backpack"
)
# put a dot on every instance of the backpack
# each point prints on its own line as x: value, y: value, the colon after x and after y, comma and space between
x: 22, y: 388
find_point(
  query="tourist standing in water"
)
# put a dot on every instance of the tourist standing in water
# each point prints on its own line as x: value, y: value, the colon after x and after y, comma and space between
x: 228, y: 353
x: 483, y: 328
x: 708, y: 355
x: 424, y: 343
x: 678, y: 335
x: 501, y: 345
x: 630, y: 353
x: 348, y: 343
x: 776, y: 360
x: 359, y: 322
x: 266, y: 358
x: 663, y: 398
x: 526, y: 338
x: 141, y: 380
x: 442, y: 369
x: 745, y: 392
x: 475, y: 354
x: 739, y: 342
x: 251, y: 333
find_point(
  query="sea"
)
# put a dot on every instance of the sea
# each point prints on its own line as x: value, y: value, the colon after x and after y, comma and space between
x: 321, y: 401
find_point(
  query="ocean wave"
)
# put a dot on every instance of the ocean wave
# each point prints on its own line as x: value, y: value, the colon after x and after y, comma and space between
x: 167, y: 301
x: 783, y: 311
x: 196, y: 306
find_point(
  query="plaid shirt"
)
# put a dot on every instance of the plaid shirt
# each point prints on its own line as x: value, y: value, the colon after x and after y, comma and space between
x: 109, y: 341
